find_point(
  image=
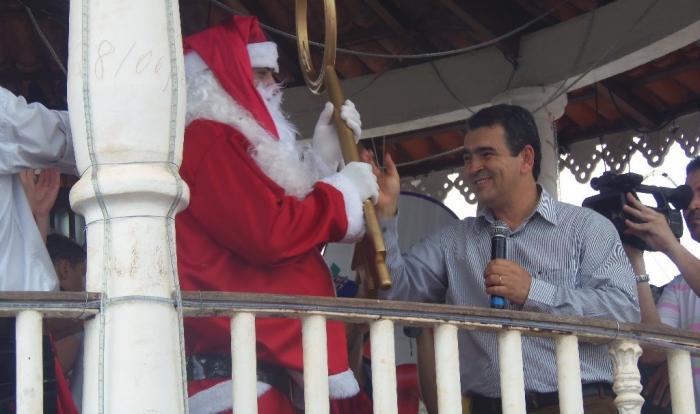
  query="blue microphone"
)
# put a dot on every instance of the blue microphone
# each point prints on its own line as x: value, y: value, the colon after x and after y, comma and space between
x: 498, y: 251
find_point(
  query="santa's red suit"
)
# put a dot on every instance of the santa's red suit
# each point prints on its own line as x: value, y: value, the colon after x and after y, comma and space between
x: 258, y: 214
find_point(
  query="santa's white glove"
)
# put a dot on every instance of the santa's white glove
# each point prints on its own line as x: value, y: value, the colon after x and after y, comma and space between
x: 363, y: 179
x: 325, y: 140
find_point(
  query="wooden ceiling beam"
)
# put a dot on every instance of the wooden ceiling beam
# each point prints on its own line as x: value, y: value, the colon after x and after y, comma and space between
x: 534, y: 11
x: 666, y: 73
x: 398, y: 153
x: 584, y: 6
x: 627, y: 104
x: 387, y: 17
x: 646, y: 79
x: 481, y: 32
x: 434, y: 147
x: 577, y: 135
x: 393, y: 18
x: 457, y: 127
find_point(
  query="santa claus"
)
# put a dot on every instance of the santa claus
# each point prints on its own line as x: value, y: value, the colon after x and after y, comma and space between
x: 261, y: 207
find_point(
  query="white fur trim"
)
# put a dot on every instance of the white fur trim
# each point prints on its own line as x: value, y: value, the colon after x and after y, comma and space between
x: 194, y: 64
x: 218, y: 398
x: 263, y: 55
x: 353, y: 207
x: 283, y: 160
x: 342, y: 385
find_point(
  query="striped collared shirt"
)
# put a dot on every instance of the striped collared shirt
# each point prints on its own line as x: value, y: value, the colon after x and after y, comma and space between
x: 578, y: 267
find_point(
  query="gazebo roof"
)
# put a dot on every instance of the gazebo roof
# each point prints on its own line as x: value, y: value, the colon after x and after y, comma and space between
x: 647, y: 97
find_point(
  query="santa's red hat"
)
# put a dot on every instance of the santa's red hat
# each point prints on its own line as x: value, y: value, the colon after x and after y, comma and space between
x: 231, y: 49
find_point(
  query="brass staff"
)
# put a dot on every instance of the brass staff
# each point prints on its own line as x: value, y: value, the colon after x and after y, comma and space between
x: 370, y: 253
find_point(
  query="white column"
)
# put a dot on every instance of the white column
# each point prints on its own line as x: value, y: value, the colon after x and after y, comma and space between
x: 29, y: 363
x: 126, y: 97
x: 381, y: 335
x: 315, y: 342
x: 510, y: 364
x: 244, y: 363
x: 447, y: 370
x: 680, y: 378
x: 546, y: 108
x: 569, y: 375
x: 626, y: 385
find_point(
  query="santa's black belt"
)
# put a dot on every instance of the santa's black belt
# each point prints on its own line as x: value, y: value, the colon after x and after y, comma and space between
x: 205, y: 366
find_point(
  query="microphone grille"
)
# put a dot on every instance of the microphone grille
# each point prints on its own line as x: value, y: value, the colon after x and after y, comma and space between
x: 498, y: 228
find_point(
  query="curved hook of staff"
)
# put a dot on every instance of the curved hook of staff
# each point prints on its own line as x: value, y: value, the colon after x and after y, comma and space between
x: 315, y: 80
x: 370, y: 254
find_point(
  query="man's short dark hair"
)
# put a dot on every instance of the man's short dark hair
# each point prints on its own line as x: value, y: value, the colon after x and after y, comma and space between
x: 693, y: 165
x: 62, y: 247
x: 519, y: 126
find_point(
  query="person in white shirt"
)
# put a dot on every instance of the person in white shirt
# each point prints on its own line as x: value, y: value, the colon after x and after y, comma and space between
x: 31, y: 136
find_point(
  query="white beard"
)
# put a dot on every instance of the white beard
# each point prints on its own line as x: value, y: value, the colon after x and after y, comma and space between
x: 272, y: 96
x: 292, y: 166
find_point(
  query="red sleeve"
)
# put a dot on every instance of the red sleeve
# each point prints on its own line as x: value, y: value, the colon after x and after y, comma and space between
x: 243, y: 210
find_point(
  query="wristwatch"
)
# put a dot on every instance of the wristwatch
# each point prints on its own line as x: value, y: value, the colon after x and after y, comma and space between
x: 643, y: 278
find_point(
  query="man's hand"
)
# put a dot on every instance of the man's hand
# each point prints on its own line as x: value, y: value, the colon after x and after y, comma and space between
x: 652, y: 227
x: 508, y: 279
x: 389, y: 184
x: 325, y: 139
x: 41, y: 190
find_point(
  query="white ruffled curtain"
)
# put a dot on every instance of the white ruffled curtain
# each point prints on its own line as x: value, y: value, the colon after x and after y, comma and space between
x: 617, y: 149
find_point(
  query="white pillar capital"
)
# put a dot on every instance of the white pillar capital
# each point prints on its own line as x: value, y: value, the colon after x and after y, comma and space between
x: 625, y: 355
x: 547, y: 104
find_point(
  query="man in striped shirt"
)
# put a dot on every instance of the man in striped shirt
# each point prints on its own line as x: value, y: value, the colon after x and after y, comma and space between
x: 679, y: 305
x: 561, y: 259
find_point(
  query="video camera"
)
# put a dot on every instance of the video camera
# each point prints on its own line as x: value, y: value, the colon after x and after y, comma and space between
x: 611, y: 199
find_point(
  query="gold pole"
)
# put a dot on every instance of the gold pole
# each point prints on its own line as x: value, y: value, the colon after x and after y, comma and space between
x: 372, y: 246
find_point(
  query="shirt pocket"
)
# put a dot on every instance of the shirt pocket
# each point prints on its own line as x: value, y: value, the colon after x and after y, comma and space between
x: 565, y: 276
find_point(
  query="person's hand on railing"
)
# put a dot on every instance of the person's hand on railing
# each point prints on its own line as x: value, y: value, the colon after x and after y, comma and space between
x: 508, y: 279
x: 389, y: 184
x: 657, y: 387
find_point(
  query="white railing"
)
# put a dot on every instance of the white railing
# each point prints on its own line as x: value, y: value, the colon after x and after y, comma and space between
x: 623, y: 340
